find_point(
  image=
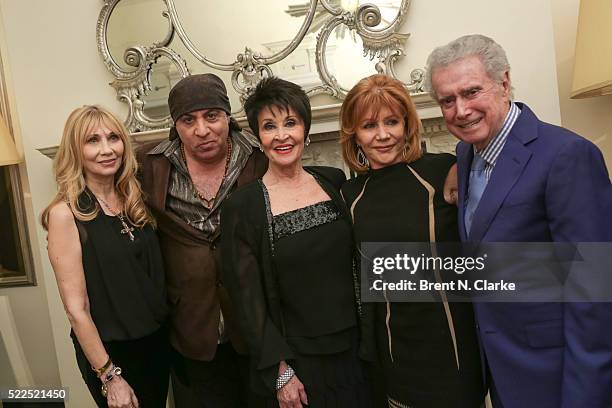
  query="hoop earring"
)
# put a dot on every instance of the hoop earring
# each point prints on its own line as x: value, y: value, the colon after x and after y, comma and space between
x: 307, y: 141
x: 361, y: 158
x: 405, y: 149
x: 405, y: 152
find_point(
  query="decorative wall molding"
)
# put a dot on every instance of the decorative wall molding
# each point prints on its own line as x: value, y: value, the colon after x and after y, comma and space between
x: 435, y: 134
x: 385, y: 45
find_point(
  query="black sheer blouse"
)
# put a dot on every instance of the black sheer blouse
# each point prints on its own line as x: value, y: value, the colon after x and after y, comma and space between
x: 290, y: 276
x: 313, y: 251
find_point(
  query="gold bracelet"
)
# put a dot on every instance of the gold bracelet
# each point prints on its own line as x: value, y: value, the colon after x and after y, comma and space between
x: 102, y: 369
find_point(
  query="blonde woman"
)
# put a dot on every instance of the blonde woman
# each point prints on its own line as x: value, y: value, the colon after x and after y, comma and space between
x: 107, y: 263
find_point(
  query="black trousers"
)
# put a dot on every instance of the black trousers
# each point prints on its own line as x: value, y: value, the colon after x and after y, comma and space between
x: 220, y: 383
x: 144, y: 363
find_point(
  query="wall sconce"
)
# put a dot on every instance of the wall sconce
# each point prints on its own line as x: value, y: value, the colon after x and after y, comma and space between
x: 593, y: 58
x: 8, y: 152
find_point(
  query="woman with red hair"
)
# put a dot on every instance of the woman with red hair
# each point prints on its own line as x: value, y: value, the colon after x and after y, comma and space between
x: 428, y: 351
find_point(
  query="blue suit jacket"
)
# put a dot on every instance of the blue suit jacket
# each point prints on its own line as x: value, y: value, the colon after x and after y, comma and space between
x: 549, y: 184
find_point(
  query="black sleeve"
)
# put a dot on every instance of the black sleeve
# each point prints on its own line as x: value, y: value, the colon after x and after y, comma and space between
x: 332, y: 175
x: 245, y: 282
x: 367, y: 343
x: 448, y: 160
x: 336, y: 177
x: 437, y: 166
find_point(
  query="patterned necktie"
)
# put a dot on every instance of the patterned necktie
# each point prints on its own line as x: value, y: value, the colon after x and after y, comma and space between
x: 478, y: 182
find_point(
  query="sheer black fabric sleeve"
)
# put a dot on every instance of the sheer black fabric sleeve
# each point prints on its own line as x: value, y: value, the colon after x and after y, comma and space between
x: 246, y: 282
x: 367, y: 345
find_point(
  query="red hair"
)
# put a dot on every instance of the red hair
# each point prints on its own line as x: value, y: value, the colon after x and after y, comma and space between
x: 369, y: 96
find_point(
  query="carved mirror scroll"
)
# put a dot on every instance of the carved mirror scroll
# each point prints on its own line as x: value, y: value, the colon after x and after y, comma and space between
x: 325, y: 46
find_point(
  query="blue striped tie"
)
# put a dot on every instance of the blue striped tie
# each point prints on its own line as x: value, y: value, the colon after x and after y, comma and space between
x: 478, y: 182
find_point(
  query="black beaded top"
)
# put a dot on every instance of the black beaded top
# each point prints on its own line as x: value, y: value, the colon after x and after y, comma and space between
x: 312, y: 255
x: 301, y: 219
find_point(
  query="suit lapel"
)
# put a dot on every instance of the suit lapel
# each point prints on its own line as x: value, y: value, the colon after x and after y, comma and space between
x: 465, y: 154
x: 510, y: 165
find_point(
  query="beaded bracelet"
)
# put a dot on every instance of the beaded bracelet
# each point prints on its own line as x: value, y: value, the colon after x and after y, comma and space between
x: 284, y: 378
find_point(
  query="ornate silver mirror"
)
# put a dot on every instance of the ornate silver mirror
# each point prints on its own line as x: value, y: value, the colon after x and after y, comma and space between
x: 323, y: 45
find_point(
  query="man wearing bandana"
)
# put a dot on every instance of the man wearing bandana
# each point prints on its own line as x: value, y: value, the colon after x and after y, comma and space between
x: 186, y: 179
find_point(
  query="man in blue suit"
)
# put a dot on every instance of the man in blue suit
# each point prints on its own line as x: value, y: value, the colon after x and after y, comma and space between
x: 523, y: 180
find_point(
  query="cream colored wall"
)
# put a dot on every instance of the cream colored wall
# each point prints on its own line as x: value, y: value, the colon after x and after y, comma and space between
x: 525, y: 32
x: 55, y: 67
x: 26, y: 308
x: 430, y: 22
x: 592, y: 117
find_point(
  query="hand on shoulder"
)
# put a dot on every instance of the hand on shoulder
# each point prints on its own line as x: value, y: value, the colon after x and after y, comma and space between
x: 451, y: 187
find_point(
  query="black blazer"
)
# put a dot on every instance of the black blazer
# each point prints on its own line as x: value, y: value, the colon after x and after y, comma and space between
x: 249, y: 276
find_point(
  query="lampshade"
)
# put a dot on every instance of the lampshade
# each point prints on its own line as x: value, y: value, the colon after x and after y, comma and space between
x: 8, y: 152
x: 593, y: 63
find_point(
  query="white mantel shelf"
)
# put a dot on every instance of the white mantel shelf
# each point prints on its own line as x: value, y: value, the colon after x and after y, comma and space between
x: 325, y: 118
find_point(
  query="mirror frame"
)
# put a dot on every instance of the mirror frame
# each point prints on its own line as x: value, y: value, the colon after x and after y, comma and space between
x: 385, y: 45
x: 26, y: 275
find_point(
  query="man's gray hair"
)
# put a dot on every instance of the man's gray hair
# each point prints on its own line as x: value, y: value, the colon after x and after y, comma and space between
x: 491, y: 54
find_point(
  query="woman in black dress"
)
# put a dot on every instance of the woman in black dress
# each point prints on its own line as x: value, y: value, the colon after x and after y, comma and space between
x: 107, y: 263
x: 428, y: 352
x: 287, y: 259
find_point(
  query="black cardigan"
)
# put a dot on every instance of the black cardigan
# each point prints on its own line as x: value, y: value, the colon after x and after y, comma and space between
x: 249, y: 276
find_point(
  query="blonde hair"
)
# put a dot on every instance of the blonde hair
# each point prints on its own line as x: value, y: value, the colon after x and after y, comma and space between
x: 375, y: 92
x: 68, y: 168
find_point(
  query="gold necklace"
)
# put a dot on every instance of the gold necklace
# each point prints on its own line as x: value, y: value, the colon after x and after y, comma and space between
x: 208, y: 202
x: 126, y: 228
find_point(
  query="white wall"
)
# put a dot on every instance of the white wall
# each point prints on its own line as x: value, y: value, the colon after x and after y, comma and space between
x: 24, y: 310
x: 52, y: 56
x: 592, y: 117
x: 523, y: 28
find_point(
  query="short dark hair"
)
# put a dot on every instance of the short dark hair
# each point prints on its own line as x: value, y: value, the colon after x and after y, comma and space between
x: 282, y: 94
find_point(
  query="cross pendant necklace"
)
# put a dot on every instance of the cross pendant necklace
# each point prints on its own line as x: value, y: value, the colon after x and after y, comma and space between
x: 126, y: 228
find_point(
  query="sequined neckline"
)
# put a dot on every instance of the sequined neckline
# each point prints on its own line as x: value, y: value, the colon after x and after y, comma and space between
x: 287, y: 213
x: 305, y: 218
x: 294, y: 221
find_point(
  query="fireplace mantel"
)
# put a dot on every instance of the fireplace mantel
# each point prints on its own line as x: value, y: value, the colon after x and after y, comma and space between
x: 324, y: 149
